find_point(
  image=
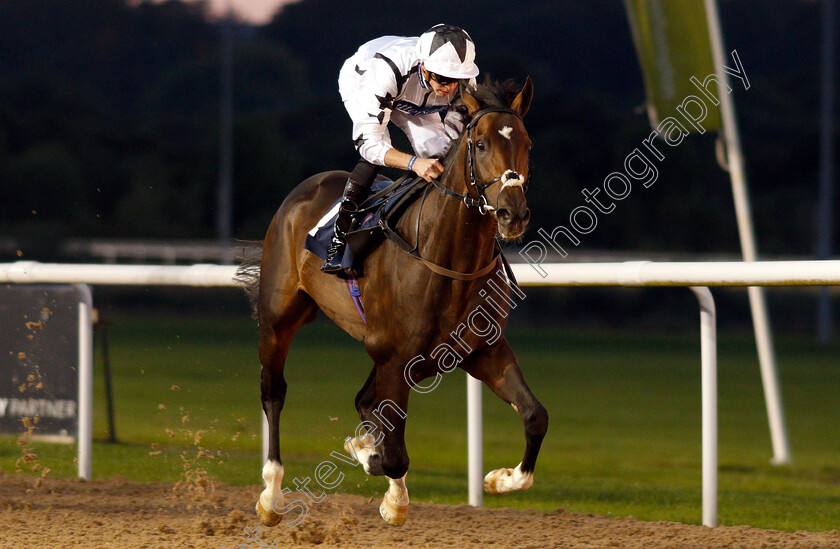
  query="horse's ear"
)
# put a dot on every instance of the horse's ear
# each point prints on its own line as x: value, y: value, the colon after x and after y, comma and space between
x: 522, y: 101
x: 472, y: 104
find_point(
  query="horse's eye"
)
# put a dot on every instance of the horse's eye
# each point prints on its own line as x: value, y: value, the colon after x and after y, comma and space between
x: 479, y: 145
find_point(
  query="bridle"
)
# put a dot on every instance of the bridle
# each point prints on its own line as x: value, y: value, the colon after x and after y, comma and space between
x: 480, y: 188
x: 480, y: 203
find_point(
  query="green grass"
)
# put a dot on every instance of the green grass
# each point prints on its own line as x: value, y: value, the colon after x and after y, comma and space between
x: 623, y: 440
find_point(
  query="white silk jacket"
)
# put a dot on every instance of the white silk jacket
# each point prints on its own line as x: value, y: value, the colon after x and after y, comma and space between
x: 382, y: 83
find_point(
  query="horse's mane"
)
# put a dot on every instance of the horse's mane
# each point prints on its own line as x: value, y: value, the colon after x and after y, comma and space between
x: 490, y: 93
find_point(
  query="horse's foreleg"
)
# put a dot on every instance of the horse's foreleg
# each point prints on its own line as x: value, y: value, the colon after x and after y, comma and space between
x: 498, y: 368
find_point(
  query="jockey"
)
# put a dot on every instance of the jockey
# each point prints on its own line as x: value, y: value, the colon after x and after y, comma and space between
x: 412, y: 82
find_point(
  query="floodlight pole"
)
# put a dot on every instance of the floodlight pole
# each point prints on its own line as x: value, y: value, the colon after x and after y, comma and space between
x: 758, y: 305
x: 825, y: 204
x: 224, y: 198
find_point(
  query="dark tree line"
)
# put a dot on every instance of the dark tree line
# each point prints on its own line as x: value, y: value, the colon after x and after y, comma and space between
x: 109, y: 116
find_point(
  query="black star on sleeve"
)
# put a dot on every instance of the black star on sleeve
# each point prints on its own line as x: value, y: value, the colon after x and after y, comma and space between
x: 385, y: 102
x: 380, y: 116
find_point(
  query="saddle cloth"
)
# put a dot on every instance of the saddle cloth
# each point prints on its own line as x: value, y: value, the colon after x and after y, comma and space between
x: 374, y: 215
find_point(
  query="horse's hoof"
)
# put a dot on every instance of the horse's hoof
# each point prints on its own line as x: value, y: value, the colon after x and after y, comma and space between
x: 352, y: 446
x: 492, y: 480
x: 502, y: 481
x: 363, y: 451
x: 393, y: 513
x: 267, y: 518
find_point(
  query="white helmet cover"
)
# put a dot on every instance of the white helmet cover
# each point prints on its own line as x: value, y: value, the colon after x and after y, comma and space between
x: 449, y: 51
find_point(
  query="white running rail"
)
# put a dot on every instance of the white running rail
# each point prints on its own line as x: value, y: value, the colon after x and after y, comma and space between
x: 695, y: 275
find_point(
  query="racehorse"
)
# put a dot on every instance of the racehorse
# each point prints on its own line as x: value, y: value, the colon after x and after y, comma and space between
x: 412, y: 308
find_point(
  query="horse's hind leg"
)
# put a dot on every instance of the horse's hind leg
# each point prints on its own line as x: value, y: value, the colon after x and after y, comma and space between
x: 275, y: 338
x: 498, y: 368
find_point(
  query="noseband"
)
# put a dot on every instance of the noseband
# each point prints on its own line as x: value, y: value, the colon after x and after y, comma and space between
x: 481, y: 202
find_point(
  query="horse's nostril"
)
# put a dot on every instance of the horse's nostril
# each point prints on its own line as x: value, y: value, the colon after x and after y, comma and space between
x: 503, y: 215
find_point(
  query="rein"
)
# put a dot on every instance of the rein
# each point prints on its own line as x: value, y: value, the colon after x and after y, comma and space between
x: 480, y: 203
x: 413, y: 251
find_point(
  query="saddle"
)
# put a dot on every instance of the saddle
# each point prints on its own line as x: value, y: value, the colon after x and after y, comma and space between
x: 375, y: 220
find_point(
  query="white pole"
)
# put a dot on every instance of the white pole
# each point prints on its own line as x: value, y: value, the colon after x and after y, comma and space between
x: 85, y: 417
x: 708, y: 376
x: 264, y: 436
x: 475, y: 443
x: 735, y: 160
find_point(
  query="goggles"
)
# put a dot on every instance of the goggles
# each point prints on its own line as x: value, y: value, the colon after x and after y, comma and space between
x: 442, y: 80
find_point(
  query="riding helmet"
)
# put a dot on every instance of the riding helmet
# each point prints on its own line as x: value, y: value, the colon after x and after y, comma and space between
x: 449, y: 51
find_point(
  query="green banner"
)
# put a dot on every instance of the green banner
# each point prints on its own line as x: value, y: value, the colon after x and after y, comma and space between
x: 672, y: 42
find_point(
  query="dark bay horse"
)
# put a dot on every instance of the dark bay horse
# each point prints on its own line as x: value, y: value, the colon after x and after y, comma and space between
x: 413, y: 308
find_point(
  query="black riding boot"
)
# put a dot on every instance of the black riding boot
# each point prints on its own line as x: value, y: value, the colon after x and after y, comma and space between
x: 358, y: 186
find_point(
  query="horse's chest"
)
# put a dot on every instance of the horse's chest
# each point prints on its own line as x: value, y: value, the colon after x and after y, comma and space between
x: 445, y: 329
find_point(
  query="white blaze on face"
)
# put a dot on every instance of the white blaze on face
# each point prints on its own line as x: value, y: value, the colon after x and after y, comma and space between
x: 506, y: 131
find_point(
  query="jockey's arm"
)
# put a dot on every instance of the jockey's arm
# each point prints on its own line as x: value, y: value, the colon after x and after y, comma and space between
x: 370, y: 120
x: 427, y: 168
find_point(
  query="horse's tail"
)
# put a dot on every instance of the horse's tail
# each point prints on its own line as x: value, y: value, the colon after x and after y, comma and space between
x: 248, y: 273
